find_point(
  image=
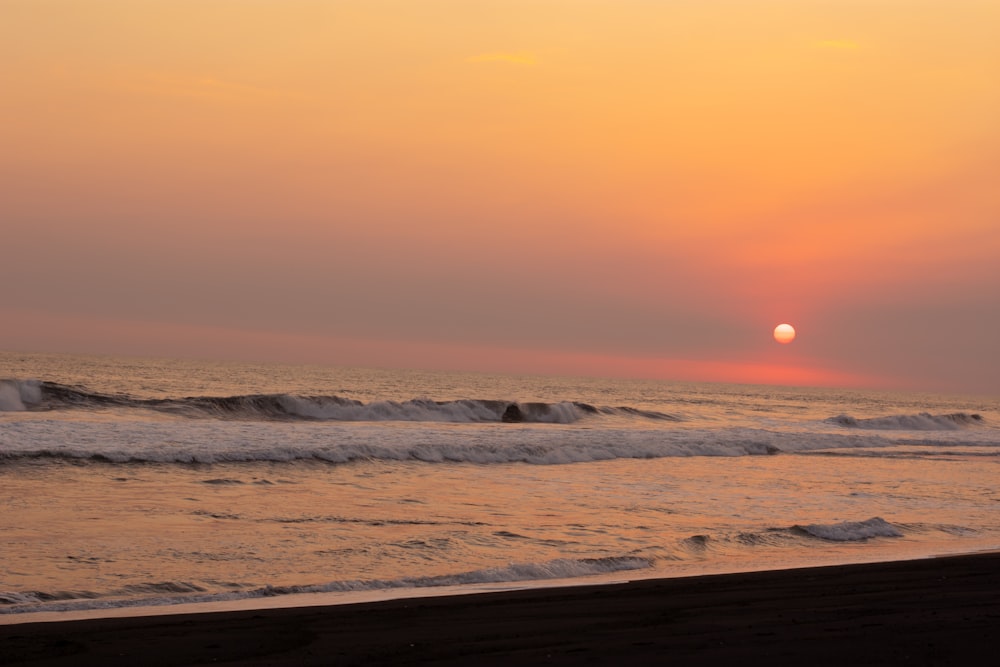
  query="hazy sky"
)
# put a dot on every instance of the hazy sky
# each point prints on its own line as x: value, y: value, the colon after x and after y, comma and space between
x: 592, y: 187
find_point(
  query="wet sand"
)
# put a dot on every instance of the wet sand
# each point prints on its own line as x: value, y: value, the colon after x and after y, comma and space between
x: 924, y: 612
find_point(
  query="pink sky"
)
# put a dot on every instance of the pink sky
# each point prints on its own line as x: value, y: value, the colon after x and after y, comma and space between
x: 627, y: 188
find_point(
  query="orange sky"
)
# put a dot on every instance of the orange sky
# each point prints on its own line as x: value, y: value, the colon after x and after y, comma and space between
x: 575, y: 186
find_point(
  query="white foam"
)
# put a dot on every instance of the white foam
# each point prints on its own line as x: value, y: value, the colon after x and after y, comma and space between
x: 165, y: 440
x: 16, y: 395
x: 10, y: 397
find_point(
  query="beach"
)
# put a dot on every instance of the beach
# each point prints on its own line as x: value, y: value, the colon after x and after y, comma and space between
x: 932, y: 611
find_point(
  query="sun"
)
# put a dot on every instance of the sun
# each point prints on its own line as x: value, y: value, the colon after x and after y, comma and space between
x: 784, y: 333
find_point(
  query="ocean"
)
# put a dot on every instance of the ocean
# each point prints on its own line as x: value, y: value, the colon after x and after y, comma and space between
x: 135, y: 484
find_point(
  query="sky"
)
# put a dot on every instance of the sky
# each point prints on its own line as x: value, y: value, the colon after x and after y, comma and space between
x: 639, y: 188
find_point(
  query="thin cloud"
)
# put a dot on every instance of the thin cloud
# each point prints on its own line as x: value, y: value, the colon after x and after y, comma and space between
x: 514, y: 58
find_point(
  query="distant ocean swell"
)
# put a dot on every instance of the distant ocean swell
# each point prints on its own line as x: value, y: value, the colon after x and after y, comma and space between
x: 22, y: 395
x: 178, y: 592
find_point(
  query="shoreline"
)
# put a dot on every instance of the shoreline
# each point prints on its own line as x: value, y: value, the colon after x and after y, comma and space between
x: 926, y: 610
x: 141, y: 608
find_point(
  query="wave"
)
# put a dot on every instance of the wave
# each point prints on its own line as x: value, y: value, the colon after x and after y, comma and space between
x: 919, y: 422
x: 25, y: 395
x: 847, y: 531
x: 168, y: 593
x: 851, y: 531
x: 194, y: 442
x: 133, y: 441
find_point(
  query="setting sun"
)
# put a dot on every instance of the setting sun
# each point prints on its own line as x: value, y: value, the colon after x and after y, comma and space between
x: 784, y: 333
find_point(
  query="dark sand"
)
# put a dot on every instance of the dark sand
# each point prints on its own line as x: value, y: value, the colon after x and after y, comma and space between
x: 935, y: 611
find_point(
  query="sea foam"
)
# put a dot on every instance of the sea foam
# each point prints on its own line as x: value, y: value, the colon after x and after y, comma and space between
x: 17, y: 395
x: 211, y: 441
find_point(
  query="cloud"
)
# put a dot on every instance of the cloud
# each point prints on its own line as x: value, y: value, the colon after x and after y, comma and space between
x: 514, y: 58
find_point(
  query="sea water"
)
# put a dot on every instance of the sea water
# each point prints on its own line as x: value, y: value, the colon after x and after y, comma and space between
x: 133, y: 483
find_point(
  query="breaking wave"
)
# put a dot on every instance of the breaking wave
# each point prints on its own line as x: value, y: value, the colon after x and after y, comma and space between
x: 190, y: 442
x: 919, y: 422
x: 16, y: 395
x: 789, y: 536
x: 851, y: 531
x: 22, y: 395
